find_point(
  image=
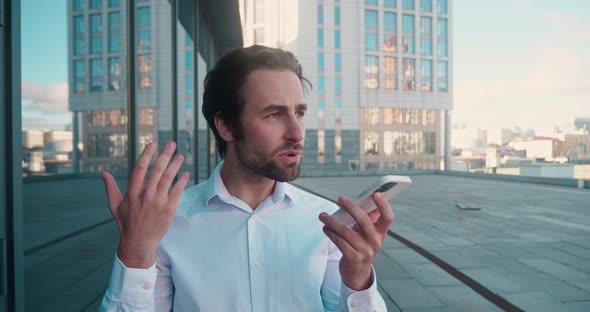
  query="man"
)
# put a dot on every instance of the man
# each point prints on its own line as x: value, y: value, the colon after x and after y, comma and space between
x: 244, y: 240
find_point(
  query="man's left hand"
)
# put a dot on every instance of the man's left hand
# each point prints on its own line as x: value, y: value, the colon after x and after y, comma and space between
x: 361, y: 243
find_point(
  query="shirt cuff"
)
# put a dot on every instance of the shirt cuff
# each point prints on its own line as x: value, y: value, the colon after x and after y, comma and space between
x: 363, y: 300
x: 132, y: 286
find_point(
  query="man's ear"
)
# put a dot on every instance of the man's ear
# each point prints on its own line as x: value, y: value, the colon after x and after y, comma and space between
x: 223, y: 128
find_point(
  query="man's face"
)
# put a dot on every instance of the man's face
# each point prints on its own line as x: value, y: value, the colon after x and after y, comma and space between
x: 271, y: 136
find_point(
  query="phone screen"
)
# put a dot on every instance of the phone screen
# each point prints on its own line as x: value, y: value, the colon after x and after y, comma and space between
x: 385, y: 187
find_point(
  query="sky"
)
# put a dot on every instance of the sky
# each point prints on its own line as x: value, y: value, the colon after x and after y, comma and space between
x: 516, y: 63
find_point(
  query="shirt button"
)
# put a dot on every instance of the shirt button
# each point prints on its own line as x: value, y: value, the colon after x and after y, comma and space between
x: 258, y: 264
x: 147, y: 285
x: 253, y: 217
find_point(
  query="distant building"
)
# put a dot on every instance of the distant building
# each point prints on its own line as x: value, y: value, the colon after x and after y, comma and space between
x: 472, y: 139
x: 498, y: 136
x: 540, y: 147
x: 57, y: 135
x: 32, y: 138
x: 577, y: 145
x: 583, y: 124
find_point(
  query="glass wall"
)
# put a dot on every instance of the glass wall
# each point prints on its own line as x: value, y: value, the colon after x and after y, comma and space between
x: 76, y: 123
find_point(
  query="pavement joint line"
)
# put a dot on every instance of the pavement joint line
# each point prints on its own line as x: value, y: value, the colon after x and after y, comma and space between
x: 483, y: 291
x: 65, y: 237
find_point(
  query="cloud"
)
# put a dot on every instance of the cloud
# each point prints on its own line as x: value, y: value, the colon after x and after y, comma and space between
x: 52, y: 98
x: 42, y: 123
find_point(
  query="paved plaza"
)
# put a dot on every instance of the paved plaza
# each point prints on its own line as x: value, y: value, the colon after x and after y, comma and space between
x: 527, y: 243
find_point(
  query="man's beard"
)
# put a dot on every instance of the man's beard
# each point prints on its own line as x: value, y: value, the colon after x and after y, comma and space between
x: 265, y: 164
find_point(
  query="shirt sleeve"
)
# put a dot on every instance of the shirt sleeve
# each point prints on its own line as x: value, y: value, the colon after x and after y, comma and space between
x: 138, y: 290
x: 336, y: 296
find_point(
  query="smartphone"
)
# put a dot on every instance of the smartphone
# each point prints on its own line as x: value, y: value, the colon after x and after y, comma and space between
x: 388, y: 186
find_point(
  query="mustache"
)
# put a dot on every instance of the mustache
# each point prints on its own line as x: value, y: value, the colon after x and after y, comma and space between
x: 289, y: 147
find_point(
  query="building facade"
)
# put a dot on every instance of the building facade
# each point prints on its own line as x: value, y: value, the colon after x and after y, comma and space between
x: 165, y: 108
x: 382, y: 76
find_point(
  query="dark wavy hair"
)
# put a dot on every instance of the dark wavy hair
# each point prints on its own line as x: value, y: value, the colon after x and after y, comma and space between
x: 223, y: 83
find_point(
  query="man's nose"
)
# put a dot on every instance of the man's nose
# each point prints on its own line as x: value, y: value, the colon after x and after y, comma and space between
x: 295, y: 130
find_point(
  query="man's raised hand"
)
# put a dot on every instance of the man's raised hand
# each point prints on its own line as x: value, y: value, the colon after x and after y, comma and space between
x: 146, y: 211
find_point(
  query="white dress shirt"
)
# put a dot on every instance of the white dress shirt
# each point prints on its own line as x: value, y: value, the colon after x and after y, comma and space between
x: 221, y: 255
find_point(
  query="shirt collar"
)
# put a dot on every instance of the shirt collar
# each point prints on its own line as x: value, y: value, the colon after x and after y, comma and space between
x: 214, y: 187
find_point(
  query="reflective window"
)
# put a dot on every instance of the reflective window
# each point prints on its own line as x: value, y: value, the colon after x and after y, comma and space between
x: 95, y: 4
x: 114, y: 74
x: 144, y: 67
x: 321, y: 61
x: 442, y: 37
x: 426, y: 5
x: 337, y: 62
x: 408, y: 33
x: 79, y: 5
x: 143, y: 16
x: 389, y: 3
x: 320, y: 38
x: 371, y: 43
x: 371, y: 143
x: 371, y: 80
x: 321, y: 86
x: 79, y: 46
x: 337, y: 15
x: 95, y: 45
x: 338, y: 85
x: 337, y: 39
x: 371, y: 2
x: 78, y: 24
x: 371, y: 28
x: 389, y: 32
x: 390, y: 72
x: 96, y: 75
x: 409, y: 74
x: 371, y: 22
x: 320, y: 14
x: 408, y: 4
x: 114, y: 3
x: 443, y: 76
x: 426, y: 75
x: 442, y: 6
x: 114, y: 31
x: 95, y: 33
x: 79, y: 76
x: 95, y: 23
x: 425, y: 35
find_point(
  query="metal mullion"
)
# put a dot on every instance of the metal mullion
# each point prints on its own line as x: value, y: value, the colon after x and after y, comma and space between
x: 131, y: 89
x: 195, y: 93
x: 174, y: 77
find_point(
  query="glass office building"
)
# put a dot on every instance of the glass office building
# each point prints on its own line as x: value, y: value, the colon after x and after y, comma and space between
x: 382, y: 75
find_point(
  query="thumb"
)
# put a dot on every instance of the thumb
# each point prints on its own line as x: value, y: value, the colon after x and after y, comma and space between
x: 114, y: 196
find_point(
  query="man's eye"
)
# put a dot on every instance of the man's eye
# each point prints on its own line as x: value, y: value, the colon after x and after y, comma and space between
x: 300, y: 114
x: 273, y: 115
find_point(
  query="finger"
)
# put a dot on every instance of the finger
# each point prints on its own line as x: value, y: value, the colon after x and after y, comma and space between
x: 160, y: 165
x: 170, y: 173
x: 373, y: 215
x: 361, y: 217
x: 342, y: 230
x: 114, y: 196
x: 340, y: 242
x: 140, y: 169
x: 386, y: 219
x: 176, y: 191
